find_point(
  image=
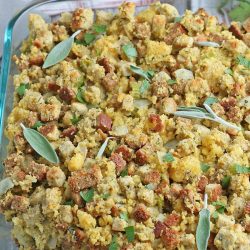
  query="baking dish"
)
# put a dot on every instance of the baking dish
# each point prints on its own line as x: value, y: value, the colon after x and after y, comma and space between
x: 16, y: 32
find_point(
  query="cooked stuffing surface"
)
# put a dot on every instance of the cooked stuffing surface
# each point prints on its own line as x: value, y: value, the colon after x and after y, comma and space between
x: 156, y: 167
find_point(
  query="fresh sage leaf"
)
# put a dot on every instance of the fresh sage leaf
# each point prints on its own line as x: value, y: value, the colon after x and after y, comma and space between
x: 5, y: 185
x: 145, y: 74
x: 229, y: 71
x: 99, y: 28
x: 69, y: 203
x: 225, y: 181
x: 220, y: 208
x: 60, y: 51
x: 240, y: 12
x: 130, y: 233
x: 113, y: 245
x: 178, y: 19
x: 88, y: 195
x: 89, y: 38
x: 22, y: 88
x: 211, y: 100
x: 37, y: 125
x: 203, y: 228
x: 243, y: 61
x: 144, y: 86
x: 238, y: 169
x: 129, y: 50
x: 102, y: 148
x: 204, y: 167
x: 79, y: 95
x: 168, y: 157
x: 75, y: 119
x: 171, y: 81
x: 124, y: 172
x: 124, y: 216
x: 40, y: 144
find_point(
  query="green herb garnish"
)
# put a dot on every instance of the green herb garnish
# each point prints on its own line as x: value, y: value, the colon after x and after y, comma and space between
x: 99, y: 28
x: 22, y: 88
x: 229, y: 71
x: 203, y: 228
x: 89, y: 38
x: 201, y: 113
x: 204, y: 167
x: 124, y: 172
x: 113, y: 245
x: 171, y: 81
x: 88, y: 195
x: 75, y: 119
x: 69, y: 202
x: 238, y: 169
x: 168, y: 157
x: 220, y: 208
x: 178, y: 19
x: 60, y: 51
x: 144, y: 86
x: 129, y: 50
x: 241, y: 12
x: 130, y: 233
x: 124, y: 216
x: 225, y: 181
x: 243, y: 61
x: 79, y: 95
x: 40, y: 144
x: 145, y: 74
x: 211, y: 100
x: 37, y: 125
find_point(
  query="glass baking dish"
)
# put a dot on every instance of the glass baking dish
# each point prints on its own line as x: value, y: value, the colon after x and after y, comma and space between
x: 16, y: 32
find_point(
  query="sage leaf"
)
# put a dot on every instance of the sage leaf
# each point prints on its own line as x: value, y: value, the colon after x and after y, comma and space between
x: 229, y: 71
x: 40, y: 144
x: 99, y: 28
x: 79, y: 95
x: 75, y: 119
x: 124, y: 216
x: 225, y: 181
x: 89, y: 38
x: 130, y: 233
x: 144, y: 86
x: 113, y: 245
x: 88, y: 195
x: 124, y: 172
x: 37, y: 125
x: 102, y: 148
x: 171, y: 81
x: 168, y: 157
x: 60, y: 51
x: 129, y: 50
x: 5, y: 185
x: 145, y: 74
x: 211, y: 100
x: 22, y: 88
x: 243, y: 61
x: 203, y: 228
x: 178, y: 19
x: 238, y: 169
x: 204, y: 167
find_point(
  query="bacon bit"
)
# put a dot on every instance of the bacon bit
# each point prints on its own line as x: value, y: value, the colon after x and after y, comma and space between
x: 115, y: 211
x: 106, y: 65
x: 120, y: 163
x: 104, y: 122
x: 203, y: 181
x: 155, y: 123
x: 247, y: 208
x: 228, y: 103
x: 170, y: 238
x: 159, y: 229
x: 53, y: 87
x: 38, y: 61
x: 153, y: 176
x: 66, y: 94
x: 172, y: 220
x: 140, y: 213
x: 125, y: 151
x: 141, y: 157
x: 69, y: 132
x: 235, y: 29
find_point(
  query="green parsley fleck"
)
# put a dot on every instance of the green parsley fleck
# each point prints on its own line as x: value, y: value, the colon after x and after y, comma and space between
x: 88, y: 195
x: 211, y: 100
x: 229, y: 71
x: 124, y: 216
x: 37, y: 125
x: 79, y: 95
x: 220, y: 208
x: 144, y: 86
x: 22, y: 88
x: 89, y: 38
x: 75, y: 119
x: 238, y: 169
x: 225, y: 181
x: 204, y: 167
x: 171, y: 81
x: 99, y: 28
x: 243, y: 61
x: 69, y: 202
x: 124, y: 172
x: 130, y: 233
x: 113, y: 245
x: 168, y: 157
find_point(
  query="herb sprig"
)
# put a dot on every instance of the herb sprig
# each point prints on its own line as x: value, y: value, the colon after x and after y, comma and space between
x: 201, y: 113
x: 203, y: 228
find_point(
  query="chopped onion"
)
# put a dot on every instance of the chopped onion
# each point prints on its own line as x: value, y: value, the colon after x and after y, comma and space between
x: 52, y: 243
x: 102, y: 148
x: 141, y: 103
x: 151, y: 186
x: 208, y: 44
x: 5, y: 185
x: 183, y: 74
x: 161, y: 217
x: 245, y: 102
x: 120, y: 130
